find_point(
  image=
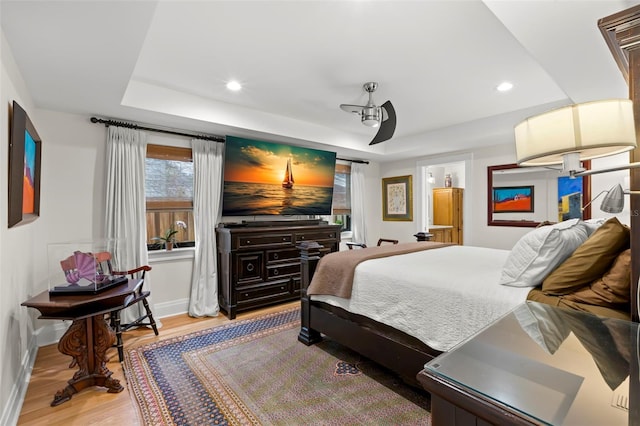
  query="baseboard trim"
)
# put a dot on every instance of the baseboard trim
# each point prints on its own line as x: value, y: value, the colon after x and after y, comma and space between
x: 12, y: 409
x: 168, y: 309
x: 51, y: 332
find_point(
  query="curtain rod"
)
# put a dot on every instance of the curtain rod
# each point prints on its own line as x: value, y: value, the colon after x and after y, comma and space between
x: 179, y: 133
x: 108, y: 123
x: 353, y: 161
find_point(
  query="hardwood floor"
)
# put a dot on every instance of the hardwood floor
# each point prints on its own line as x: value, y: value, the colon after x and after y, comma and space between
x: 94, y: 406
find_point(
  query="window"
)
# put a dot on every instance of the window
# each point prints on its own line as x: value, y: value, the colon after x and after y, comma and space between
x: 169, y: 194
x: 341, y: 207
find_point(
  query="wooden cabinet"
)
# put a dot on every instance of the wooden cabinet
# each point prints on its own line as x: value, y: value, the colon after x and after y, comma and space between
x: 447, y: 210
x: 441, y: 234
x: 259, y: 264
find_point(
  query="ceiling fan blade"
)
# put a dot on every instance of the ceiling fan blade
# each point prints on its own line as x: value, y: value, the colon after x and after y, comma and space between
x: 388, y: 125
x: 355, y: 109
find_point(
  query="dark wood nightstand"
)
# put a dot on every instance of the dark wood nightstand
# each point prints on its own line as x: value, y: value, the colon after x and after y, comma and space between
x: 539, y: 365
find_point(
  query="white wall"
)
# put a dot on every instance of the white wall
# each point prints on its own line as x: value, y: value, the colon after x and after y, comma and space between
x: 399, y: 230
x: 20, y: 260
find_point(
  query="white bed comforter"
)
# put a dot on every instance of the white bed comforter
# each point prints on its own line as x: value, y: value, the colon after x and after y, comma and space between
x: 441, y: 297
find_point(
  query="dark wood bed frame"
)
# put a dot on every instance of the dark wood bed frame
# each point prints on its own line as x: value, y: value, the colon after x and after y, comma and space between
x: 405, y: 355
x: 393, y: 349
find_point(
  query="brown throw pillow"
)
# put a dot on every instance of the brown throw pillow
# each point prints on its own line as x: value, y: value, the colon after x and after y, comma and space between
x: 612, y: 289
x: 590, y: 261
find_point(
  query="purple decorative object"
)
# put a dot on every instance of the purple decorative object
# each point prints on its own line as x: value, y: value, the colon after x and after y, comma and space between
x: 80, y: 265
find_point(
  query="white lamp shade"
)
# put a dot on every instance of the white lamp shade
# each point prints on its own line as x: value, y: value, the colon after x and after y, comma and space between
x: 593, y: 129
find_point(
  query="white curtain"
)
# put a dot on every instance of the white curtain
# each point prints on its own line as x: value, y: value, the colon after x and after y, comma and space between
x: 207, y: 188
x: 126, y: 227
x: 358, y: 190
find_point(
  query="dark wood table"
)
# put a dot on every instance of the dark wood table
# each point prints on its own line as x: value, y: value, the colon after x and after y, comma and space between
x: 539, y: 365
x: 88, y: 337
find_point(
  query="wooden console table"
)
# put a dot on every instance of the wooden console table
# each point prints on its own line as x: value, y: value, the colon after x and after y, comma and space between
x: 88, y: 337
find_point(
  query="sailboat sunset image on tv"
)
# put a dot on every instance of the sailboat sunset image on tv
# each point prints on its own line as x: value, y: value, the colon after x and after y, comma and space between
x: 259, y: 179
x: 288, y: 181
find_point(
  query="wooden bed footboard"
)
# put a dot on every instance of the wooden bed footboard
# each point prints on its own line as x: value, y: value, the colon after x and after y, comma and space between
x: 393, y: 349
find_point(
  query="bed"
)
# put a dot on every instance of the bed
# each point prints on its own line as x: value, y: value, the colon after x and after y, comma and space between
x: 403, y: 305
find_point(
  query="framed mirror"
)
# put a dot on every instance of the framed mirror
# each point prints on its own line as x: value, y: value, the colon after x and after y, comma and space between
x: 528, y: 196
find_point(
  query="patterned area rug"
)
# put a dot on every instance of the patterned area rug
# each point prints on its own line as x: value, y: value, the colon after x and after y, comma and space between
x: 256, y: 372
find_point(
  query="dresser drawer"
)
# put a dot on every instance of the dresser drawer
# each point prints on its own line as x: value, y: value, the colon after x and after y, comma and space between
x: 283, y: 255
x: 275, y: 290
x: 316, y: 236
x: 283, y: 270
x: 250, y: 241
x: 296, y: 285
x: 249, y: 267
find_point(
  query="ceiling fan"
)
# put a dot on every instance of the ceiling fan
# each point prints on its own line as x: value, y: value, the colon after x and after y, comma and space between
x: 383, y: 116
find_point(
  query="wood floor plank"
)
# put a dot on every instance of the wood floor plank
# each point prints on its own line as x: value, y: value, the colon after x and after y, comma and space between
x: 94, y: 406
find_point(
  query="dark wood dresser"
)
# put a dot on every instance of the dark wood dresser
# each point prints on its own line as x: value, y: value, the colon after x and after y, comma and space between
x: 259, y: 264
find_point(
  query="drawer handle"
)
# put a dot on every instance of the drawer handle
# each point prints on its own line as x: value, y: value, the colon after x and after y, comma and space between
x: 250, y: 267
x: 282, y: 288
x: 248, y: 241
x: 275, y: 272
x: 246, y: 295
x: 284, y: 238
x: 275, y: 256
x: 302, y: 238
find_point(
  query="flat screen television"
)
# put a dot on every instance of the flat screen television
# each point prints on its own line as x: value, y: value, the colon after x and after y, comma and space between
x: 266, y: 178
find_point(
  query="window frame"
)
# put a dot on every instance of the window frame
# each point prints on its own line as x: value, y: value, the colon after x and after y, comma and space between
x: 155, y: 207
x: 346, y: 170
x: 342, y: 214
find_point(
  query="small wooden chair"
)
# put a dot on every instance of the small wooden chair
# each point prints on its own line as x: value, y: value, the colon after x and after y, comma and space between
x: 104, y: 264
x: 363, y: 245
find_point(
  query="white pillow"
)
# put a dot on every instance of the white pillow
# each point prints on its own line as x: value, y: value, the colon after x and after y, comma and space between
x: 538, y: 252
x: 593, y: 224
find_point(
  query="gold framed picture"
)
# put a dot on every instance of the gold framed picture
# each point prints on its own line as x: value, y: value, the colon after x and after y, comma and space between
x: 397, y: 199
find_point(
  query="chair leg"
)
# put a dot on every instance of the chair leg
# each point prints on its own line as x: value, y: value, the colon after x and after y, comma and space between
x: 150, y: 315
x: 115, y: 320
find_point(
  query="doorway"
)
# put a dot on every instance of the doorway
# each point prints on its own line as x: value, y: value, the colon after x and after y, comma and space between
x: 432, y: 173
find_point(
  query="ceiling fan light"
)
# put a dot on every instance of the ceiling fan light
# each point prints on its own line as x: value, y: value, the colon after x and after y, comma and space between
x: 371, y: 117
x: 371, y: 122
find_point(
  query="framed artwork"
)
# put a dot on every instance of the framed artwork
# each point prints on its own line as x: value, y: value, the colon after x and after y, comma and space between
x: 25, y: 147
x: 513, y: 199
x: 397, y: 200
x: 570, y: 194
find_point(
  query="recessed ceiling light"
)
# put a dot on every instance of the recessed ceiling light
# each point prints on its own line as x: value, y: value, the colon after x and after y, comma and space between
x: 505, y: 86
x: 234, y: 86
